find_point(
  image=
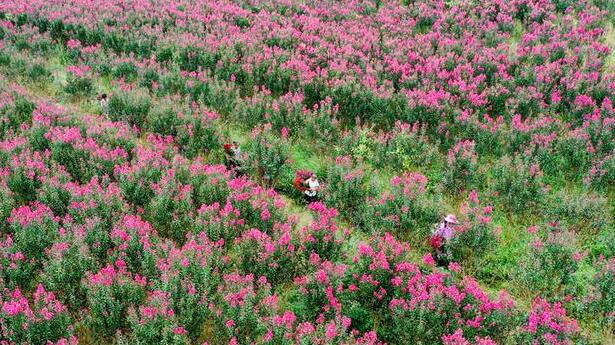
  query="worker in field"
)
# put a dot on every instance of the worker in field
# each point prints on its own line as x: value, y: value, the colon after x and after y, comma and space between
x: 441, y: 238
x: 312, y: 187
x: 233, y: 157
x: 103, y: 100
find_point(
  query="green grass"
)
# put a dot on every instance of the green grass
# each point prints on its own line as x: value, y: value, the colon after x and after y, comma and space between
x: 303, y: 156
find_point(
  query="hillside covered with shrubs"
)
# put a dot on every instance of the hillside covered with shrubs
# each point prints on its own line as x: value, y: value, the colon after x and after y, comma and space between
x: 124, y: 221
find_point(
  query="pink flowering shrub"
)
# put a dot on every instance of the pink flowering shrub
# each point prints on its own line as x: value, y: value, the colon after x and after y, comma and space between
x: 259, y: 207
x: 549, y: 265
x: 38, y: 320
x: 164, y: 119
x: 35, y: 228
x: 412, y: 304
x: 171, y: 209
x: 17, y: 111
x: 198, y: 134
x: 263, y: 256
x: 17, y: 269
x: 575, y: 150
x: 155, y: 322
x: 7, y: 203
x: 65, y: 269
x: 517, y: 185
x: 132, y: 107
x: 26, y: 172
x: 83, y: 158
x: 219, y: 222
x: 268, y: 155
x: 322, y: 238
x: 79, y: 83
x: 347, y: 188
x: 548, y: 324
x: 55, y: 194
x: 582, y: 213
x: 408, y: 211
x: 475, y: 236
x: 406, y: 146
x: 457, y: 338
x: 209, y: 183
x: 462, y: 170
x: 94, y: 208
x: 602, y: 173
x: 600, y: 301
x: 135, y: 226
x: 110, y: 293
x: 132, y: 241
x: 136, y: 180
x: 190, y: 275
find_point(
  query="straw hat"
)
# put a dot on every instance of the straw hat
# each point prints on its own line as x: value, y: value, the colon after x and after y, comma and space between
x: 451, y: 219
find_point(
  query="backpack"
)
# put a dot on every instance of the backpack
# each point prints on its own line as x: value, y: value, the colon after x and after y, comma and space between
x: 228, y: 148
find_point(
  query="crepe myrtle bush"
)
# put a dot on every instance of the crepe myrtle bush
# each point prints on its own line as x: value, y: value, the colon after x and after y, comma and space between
x: 517, y: 185
x: 347, y: 187
x: 163, y: 119
x: 600, y: 300
x: 409, y: 210
x: 7, y: 203
x: 130, y: 106
x: 17, y: 269
x: 171, y: 209
x: 136, y: 180
x: 267, y: 155
x: 416, y: 302
x: 67, y: 264
x: 506, y: 79
x: 195, y: 270
x: 199, y: 134
x: 209, y: 183
x: 585, y: 213
x: 476, y: 235
x: 79, y: 82
x: 548, y: 323
x: 268, y: 257
x: 462, y: 171
x: 601, y: 176
x: 110, y: 293
x: 407, y: 146
x: 154, y: 321
x: 322, y: 238
x: 38, y: 319
x: 35, y: 228
x: 133, y: 241
x: 551, y: 263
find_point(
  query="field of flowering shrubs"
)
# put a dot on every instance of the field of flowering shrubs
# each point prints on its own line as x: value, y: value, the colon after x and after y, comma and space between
x: 121, y: 223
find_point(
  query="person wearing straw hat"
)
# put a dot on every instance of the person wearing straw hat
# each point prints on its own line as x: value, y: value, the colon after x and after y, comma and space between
x: 441, y: 237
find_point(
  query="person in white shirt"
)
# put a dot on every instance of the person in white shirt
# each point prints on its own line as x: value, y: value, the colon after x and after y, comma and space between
x: 104, y: 104
x: 311, y: 193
